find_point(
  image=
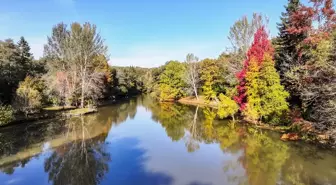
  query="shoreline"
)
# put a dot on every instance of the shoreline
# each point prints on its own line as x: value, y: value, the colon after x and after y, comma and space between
x: 306, y: 133
x: 55, y: 112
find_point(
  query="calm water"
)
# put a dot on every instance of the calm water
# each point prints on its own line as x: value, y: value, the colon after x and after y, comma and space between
x: 142, y: 142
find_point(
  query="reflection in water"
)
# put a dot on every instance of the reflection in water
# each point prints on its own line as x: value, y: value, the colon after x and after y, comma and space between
x: 116, y: 146
x: 83, y: 161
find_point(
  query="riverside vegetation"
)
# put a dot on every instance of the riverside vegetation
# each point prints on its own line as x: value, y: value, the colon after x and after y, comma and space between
x: 287, y: 81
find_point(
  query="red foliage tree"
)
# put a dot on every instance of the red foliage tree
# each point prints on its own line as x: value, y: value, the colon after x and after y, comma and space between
x: 321, y: 12
x: 260, y: 46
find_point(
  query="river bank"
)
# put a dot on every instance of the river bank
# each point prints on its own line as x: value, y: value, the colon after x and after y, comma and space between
x: 297, y: 130
x: 59, y: 111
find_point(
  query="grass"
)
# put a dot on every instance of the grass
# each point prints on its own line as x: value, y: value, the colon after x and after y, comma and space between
x: 55, y: 108
x: 201, y: 101
x: 81, y: 111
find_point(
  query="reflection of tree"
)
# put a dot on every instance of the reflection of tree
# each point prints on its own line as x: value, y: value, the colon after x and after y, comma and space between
x: 172, y: 118
x: 121, y: 111
x: 209, y: 134
x: 263, y: 158
x: 10, y: 168
x: 192, y: 138
x: 16, y: 138
x: 229, y: 136
x: 83, y: 161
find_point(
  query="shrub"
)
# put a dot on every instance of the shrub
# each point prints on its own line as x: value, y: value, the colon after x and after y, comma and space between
x: 227, y: 107
x: 28, y: 97
x: 6, y: 114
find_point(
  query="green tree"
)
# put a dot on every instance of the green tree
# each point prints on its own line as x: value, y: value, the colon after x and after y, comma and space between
x: 29, y: 96
x: 265, y: 95
x: 10, y: 70
x: 25, y: 58
x: 6, y: 114
x: 226, y: 107
x: 171, y: 84
x: 211, y: 78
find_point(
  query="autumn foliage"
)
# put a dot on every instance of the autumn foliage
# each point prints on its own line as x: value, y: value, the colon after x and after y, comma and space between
x: 260, y: 46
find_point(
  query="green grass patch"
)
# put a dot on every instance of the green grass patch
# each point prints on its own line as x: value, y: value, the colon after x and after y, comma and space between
x: 55, y: 108
x: 81, y: 111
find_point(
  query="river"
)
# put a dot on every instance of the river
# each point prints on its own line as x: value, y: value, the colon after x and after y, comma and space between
x: 142, y: 142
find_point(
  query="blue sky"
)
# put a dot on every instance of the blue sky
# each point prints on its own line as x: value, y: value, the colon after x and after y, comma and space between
x: 138, y: 32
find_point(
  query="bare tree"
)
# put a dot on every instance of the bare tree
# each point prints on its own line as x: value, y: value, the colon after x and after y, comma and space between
x: 74, y: 52
x: 87, y: 44
x: 62, y: 75
x: 192, y: 77
x: 242, y: 32
x: 241, y: 36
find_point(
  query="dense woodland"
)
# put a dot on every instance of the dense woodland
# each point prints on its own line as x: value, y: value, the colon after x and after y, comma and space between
x: 278, y: 81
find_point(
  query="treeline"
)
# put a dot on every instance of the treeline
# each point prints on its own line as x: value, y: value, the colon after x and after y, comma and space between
x: 279, y: 81
x: 74, y: 71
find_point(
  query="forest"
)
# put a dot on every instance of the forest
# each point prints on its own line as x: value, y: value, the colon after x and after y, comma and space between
x: 288, y: 80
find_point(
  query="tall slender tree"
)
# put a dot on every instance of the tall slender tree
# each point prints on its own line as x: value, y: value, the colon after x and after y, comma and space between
x: 288, y: 52
x: 25, y: 56
x: 260, y: 46
x: 192, y: 76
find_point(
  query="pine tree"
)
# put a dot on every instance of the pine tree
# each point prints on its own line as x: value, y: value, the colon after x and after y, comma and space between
x: 288, y: 53
x: 25, y: 57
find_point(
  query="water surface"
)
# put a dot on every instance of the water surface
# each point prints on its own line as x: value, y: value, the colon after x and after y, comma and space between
x: 140, y: 141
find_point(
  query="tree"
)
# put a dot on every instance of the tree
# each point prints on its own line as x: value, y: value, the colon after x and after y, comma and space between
x: 10, y: 70
x: 171, y: 83
x: 6, y: 114
x: 28, y: 96
x: 25, y: 57
x: 87, y: 45
x: 265, y: 95
x: 316, y: 83
x: 62, y: 67
x: 260, y: 46
x: 192, y: 76
x: 241, y: 33
x: 211, y: 77
x: 74, y: 52
x: 241, y: 37
x: 261, y: 94
x: 226, y: 107
x: 289, y: 51
x: 314, y: 80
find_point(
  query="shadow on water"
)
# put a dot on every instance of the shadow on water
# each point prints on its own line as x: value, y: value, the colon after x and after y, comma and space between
x: 80, y: 150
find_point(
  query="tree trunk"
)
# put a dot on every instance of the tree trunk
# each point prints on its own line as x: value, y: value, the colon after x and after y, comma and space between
x: 195, y: 91
x: 82, y: 94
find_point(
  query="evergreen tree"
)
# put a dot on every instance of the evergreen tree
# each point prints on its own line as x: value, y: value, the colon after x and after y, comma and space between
x: 25, y: 57
x: 289, y: 48
x: 287, y: 51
